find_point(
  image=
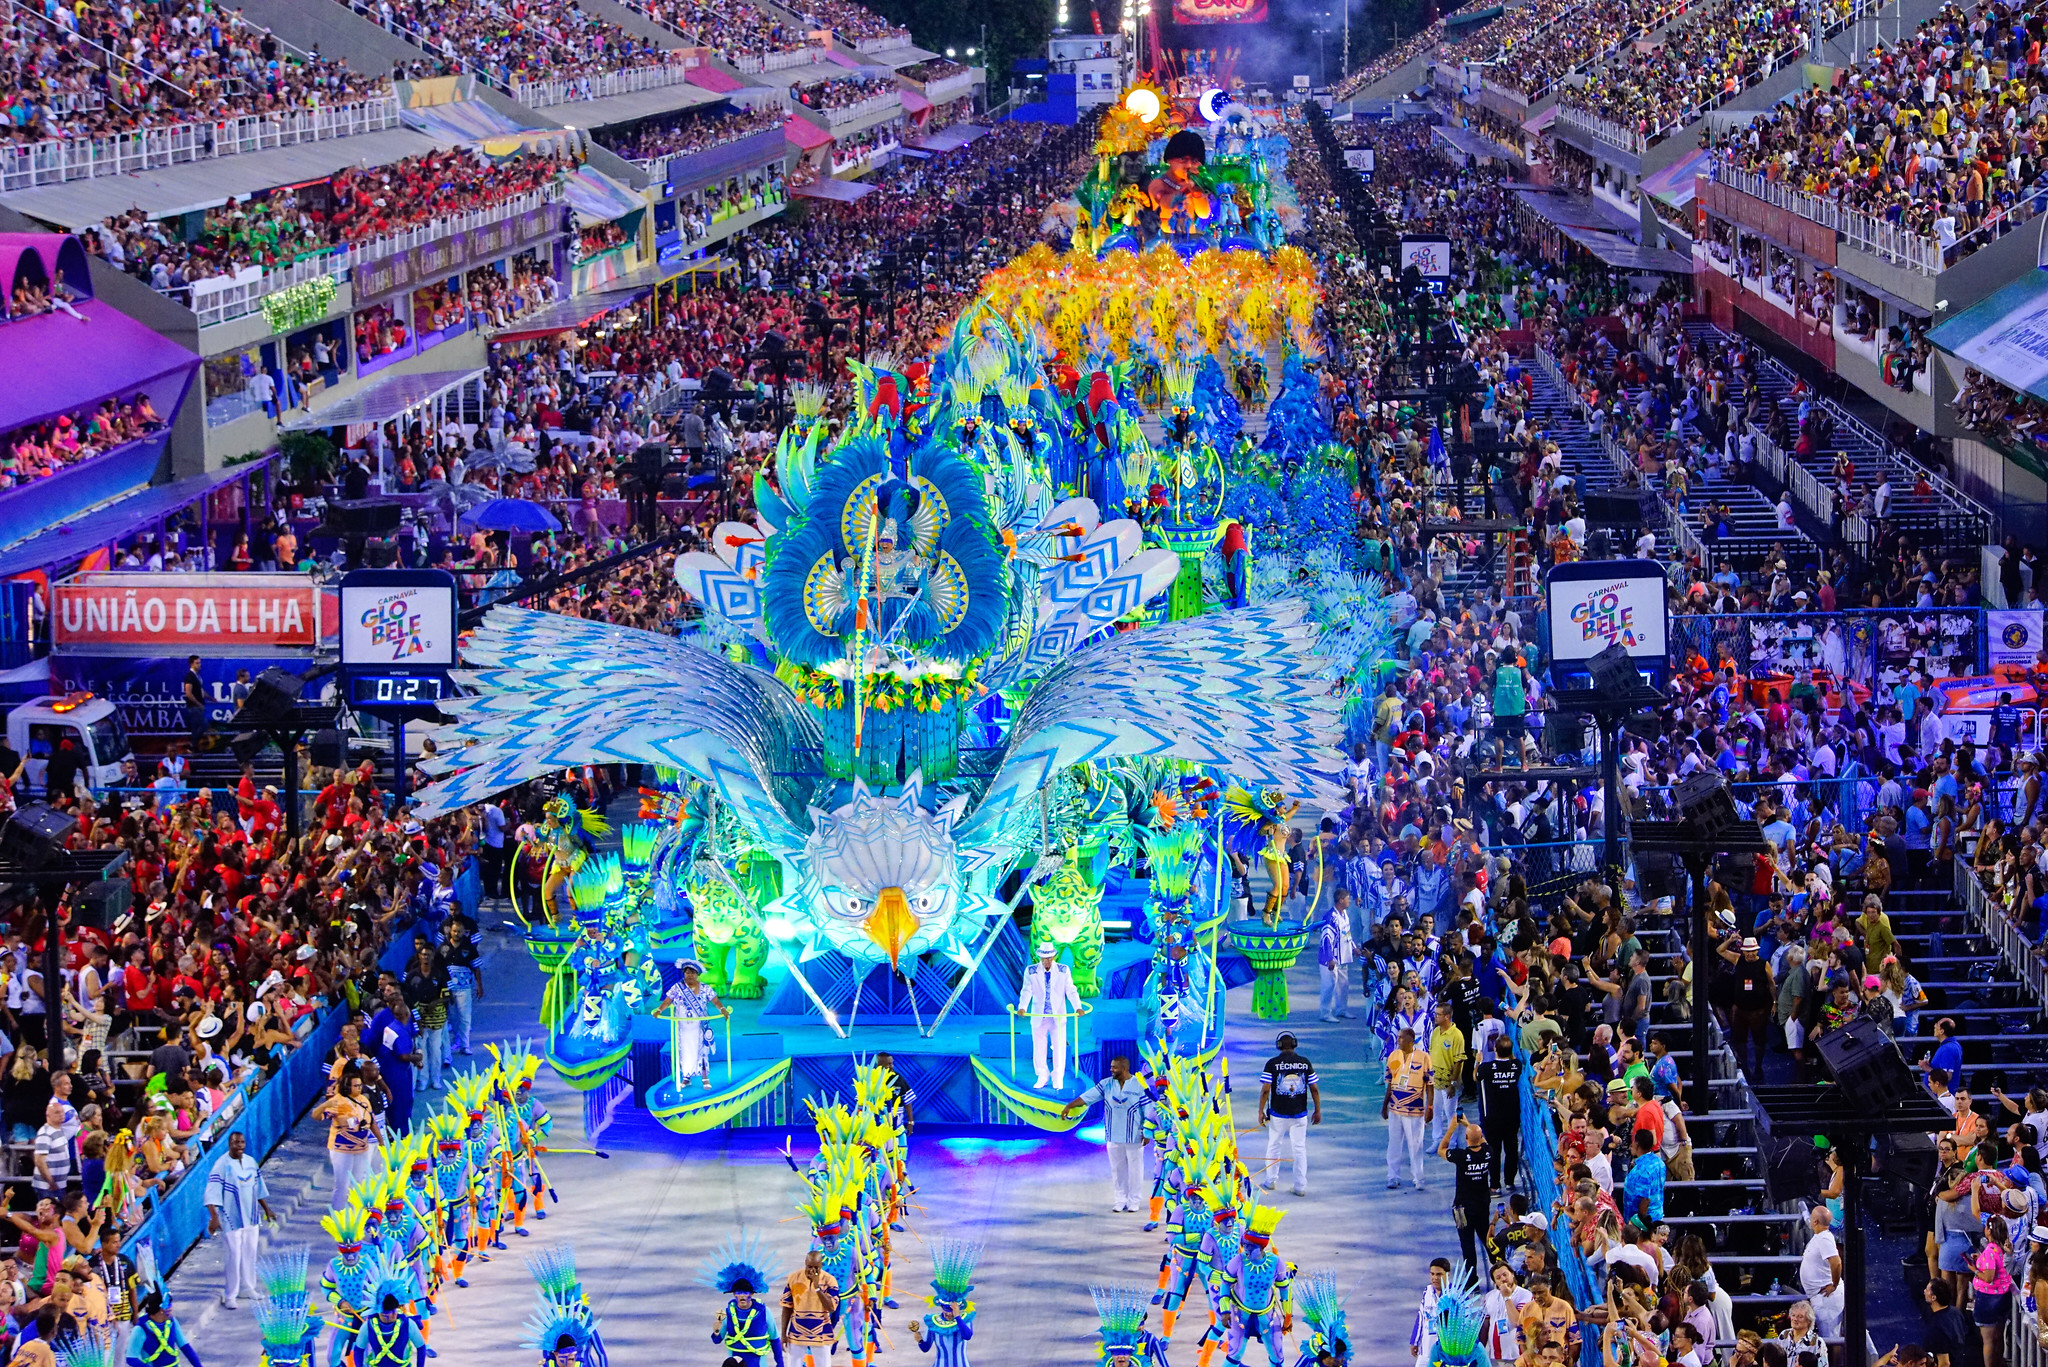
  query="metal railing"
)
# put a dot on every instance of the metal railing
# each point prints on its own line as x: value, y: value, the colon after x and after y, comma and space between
x: 868, y: 154
x: 845, y: 114
x: 882, y: 42
x: 54, y: 161
x: 1605, y: 130
x: 224, y: 298
x: 949, y: 88
x: 754, y: 63
x: 570, y: 89
x: 1864, y: 231
x: 1998, y: 928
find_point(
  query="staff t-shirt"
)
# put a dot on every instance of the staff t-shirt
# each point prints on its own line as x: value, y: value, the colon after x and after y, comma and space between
x: 1290, y: 1076
x: 1406, y: 1076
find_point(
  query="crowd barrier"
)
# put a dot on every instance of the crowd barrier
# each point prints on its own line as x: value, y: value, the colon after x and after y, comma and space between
x: 178, y: 1220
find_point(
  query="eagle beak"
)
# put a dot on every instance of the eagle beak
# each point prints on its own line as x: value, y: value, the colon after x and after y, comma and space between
x: 891, y: 925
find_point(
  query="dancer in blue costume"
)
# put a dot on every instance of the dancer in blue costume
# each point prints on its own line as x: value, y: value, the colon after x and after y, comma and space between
x: 944, y: 1333
x: 1322, y: 1311
x: 1126, y: 1342
x: 157, y: 1340
x: 740, y: 1269
x: 1460, y: 1316
x: 1255, y: 1290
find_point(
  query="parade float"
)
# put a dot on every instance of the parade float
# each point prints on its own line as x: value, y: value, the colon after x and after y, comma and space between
x: 990, y: 643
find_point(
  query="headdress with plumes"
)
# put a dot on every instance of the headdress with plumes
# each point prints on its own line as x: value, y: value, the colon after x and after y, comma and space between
x: 347, y: 1225
x: 1122, y: 1312
x: 282, y: 1326
x: 553, y: 1320
x: 282, y: 1274
x: 394, y: 1281
x: 84, y: 1350
x: 554, y: 1268
x: 953, y: 1264
x: 599, y: 880
x: 637, y: 840
x: 1260, y: 1221
x: 1460, y: 1314
x: 1317, y: 1298
x: 741, y: 1258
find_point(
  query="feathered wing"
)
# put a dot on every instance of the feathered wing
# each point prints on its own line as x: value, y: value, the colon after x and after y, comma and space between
x: 1236, y: 691
x: 555, y: 691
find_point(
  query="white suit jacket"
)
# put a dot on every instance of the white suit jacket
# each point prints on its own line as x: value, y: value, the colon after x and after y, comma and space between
x: 1040, y: 998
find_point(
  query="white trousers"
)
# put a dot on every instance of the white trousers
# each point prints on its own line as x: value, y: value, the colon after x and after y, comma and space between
x: 1330, y: 978
x: 1404, y: 1132
x: 1287, y: 1133
x: 819, y: 1354
x: 242, y: 1247
x: 1049, y: 1041
x: 1127, y: 1176
x: 1827, y: 1314
x: 349, y: 1168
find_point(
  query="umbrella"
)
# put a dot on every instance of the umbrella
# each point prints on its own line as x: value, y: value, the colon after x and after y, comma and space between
x: 517, y: 459
x: 512, y: 515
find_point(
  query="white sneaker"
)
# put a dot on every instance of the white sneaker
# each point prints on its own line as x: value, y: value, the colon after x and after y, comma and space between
x: 1301, y: 1191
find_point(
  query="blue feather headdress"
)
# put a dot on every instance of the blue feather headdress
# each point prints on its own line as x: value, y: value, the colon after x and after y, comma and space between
x: 282, y: 1274
x: 282, y: 1327
x: 554, y: 1320
x: 953, y: 1264
x: 1460, y: 1313
x: 741, y: 1258
x: 554, y: 1267
x: 1122, y: 1312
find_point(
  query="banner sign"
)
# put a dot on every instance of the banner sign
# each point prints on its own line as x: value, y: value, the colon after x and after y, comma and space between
x: 398, y: 617
x: 149, y: 691
x: 1596, y: 604
x: 1219, y: 11
x: 1359, y: 159
x: 2013, y: 636
x: 197, y: 614
x: 461, y: 251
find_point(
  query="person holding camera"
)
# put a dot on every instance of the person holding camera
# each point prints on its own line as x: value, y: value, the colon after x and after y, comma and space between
x: 1473, y: 1161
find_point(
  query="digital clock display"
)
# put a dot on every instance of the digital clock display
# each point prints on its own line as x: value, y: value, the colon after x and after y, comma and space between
x: 390, y: 689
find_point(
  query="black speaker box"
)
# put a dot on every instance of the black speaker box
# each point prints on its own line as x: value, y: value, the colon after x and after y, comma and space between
x: 1564, y: 733
x: 1867, y: 1065
x: 100, y: 904
x: 1658, y: 874
x: 362, y: 517
x: 271, y: 699
x: 1703, y: 799
x: 34, y: 834
x: 1614, y: 510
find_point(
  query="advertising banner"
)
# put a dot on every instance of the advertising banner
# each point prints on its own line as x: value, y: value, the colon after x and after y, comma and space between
x: 1594, y: 605
x: 1219, y: 11
x: 2013, y: 636
x: 198, y: 614
x: 149, y: 691
x: 388, y: 621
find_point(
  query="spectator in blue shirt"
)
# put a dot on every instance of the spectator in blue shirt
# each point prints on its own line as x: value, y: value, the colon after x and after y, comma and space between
x: 1948, y: 1053
x: 1664, y: 1070
x: 1643, y: 1191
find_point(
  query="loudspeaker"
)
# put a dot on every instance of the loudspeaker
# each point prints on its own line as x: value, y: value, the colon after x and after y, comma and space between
x: 99, y: 905
x: 1658, y: 874
x: 34, y: 834
x: 1704, y: 801
x: 1613, y: 510
x: 271, y: 699
x: 1790, y: 1166
x: 1563, y: 733
x: 1614, y: 672
x: 362, y: 517
x: 1867, y: 1065
x: 1909, y: 1157
x: 328, y: 749
x: 1486, y: 437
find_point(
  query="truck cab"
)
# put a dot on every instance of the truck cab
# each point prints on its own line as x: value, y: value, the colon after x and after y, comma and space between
x: 35, y: 729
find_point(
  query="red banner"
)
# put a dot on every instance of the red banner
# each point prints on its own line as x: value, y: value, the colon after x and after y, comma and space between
x: 202, y: 614
x: 1219, y: 11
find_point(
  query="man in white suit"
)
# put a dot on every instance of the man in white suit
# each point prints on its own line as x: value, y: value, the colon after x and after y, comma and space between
x: 1048, y: 998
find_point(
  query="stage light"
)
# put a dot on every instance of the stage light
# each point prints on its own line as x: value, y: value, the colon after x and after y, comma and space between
x: 970, y: 52
x: 1142, y: 103
x: 950, y: 52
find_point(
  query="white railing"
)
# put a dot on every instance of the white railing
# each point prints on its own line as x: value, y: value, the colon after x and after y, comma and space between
x: 881, y: 42
x: 949, y: 88
x: 1865, y: 232
x: 657, y: 167
x: 869, y: 156
x: 225, y: 298
x: 754, y: 63
x: 845, y: 114
x: 1606, y: 130
x: 570, y: 89
x: 56, y: 160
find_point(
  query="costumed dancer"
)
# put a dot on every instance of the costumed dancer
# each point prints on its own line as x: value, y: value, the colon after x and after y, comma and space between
x: 451, y: 1199
x: 1219, y: 1248
x: 470, y: 1096
x: 350, y: 1277
x: 391, y: 1337
x: 944, y: 1333
x: 518, y: 1174
x: 1187, y: 1233
x: 741, y: 1269
x: 565, y: 834
x: 1256, y: 1284
x: 1126, y: 1342
x: 1256, y: 824
x: 1460, y: 1318
x: 532, y: 1126
x: 694, y: 1006
x: 405, y: 1239
x: 562, y: 1309
x: 411, y: 1162
x: 1048, y: 997
x: 1162, y: 1131
x: 157, y: 1340
x: 1322, y: 1310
